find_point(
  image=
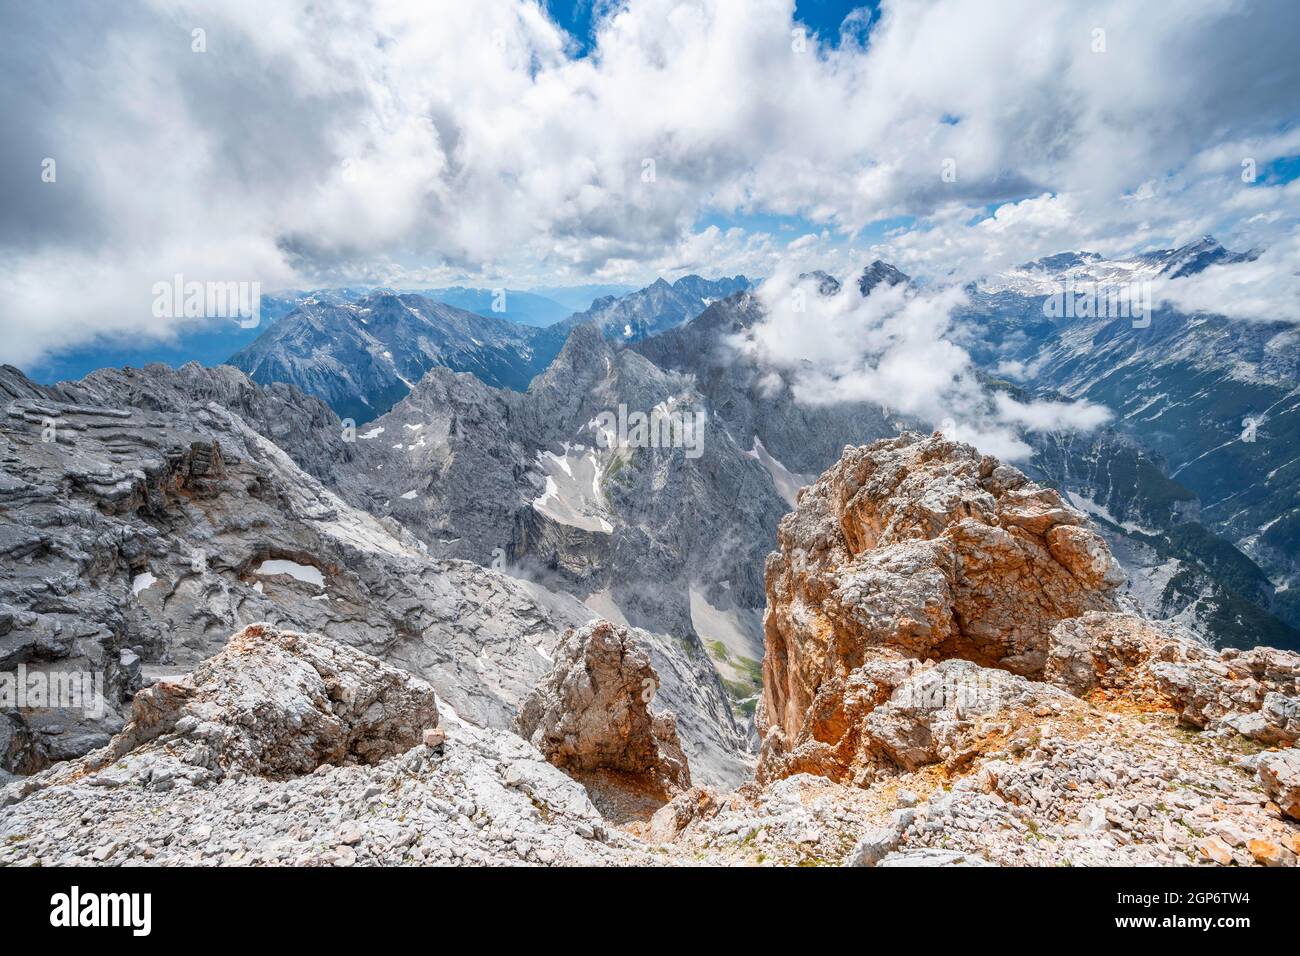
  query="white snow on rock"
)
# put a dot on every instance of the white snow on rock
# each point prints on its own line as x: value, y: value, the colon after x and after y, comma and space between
x: 409, y: 496
x: 572, y: 494
x: 373, y: 433
x: 787, y: 482
x: 142, y: 581
x: 299, y: 572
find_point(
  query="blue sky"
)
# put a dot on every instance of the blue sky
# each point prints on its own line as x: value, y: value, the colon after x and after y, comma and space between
x: 822, y: 17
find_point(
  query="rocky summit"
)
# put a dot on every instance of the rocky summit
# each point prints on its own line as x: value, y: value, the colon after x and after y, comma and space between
x: 953, y: 676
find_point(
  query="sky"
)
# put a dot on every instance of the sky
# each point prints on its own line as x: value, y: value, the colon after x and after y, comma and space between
x: 518, y: 143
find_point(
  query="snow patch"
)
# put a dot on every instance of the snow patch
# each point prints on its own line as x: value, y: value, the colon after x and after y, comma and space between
x: 142, y: 581
x: 787, y: 482
x: 299, y: 572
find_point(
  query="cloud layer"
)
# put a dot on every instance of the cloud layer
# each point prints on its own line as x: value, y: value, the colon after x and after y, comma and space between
x: 892, y: 348
x: 416, y: 142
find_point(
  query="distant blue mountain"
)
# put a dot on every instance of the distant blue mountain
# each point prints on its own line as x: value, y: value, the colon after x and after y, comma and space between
x: 526, y: 308
x: 578, y: 298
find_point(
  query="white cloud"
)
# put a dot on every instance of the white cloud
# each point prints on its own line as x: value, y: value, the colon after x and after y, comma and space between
x: 1266, y: 289
x: 892, y: 348
x: 323, y: 140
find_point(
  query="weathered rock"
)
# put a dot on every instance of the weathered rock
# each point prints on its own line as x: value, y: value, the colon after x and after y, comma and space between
x: 292, y: 749
x: 1216, y: 851
x: 1279, y: 774
x: 878, y: 842
x: 1255, y: 693
x: 1267, y: 853
x: 673, y: 817
x: 908, y: 549
x: 932, y: 858
x: 1105, y: 651
x: 592, y: 711
x: 272, y: 703
x: 941, y: 713
x: 174, y: 506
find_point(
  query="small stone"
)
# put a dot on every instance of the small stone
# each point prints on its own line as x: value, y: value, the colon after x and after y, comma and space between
x: 906, y: 798
x: 1093, y: 819
x: 1267, y: 853
x: 1215, y: 850
x: 434, y: 737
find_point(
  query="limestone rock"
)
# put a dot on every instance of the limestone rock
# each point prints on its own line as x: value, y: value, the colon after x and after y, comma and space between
x: 1279, y: 774
x: 178, y: 505
x: 1102, y: 650
x: 907, y: 549
x: 1267, y: 853
x: 1255, y: 693
x: 272, y: 703
x: 673, y: 817
x: 591, y: 712
x: 933, y: 858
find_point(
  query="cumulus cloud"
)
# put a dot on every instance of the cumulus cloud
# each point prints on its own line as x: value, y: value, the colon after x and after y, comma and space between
x: 892, y: 348
x: 320, y: 141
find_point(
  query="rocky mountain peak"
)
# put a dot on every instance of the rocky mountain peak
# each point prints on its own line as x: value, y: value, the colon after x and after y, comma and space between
x: 879, y: 272
x: 931, y: 606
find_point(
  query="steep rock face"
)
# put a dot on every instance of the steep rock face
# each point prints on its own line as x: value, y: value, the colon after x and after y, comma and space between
x: 302, y: 426
x: 755, y: 402
x: 659, y: 306
x: 1212, y: 397
x: 362, y: 357
x: 538, y: 483
x: 142, y: 521
x: 592, y: 711
x: 917, y: 550
x: 921, y: 547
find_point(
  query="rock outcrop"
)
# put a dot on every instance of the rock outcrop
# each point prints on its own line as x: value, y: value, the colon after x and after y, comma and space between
x: 916, y: 550
x: 148, y: 514
x: 271, y: 703
x: 1280, y: 775
x: 906, y: 550
x: 294, y: 749
x: 1254, y: 693
x: 592, y: 711
x: 278, y: 703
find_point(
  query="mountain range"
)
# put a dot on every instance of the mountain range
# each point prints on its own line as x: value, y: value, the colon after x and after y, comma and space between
x: 458, y: 496
x: 481, y: 438
x: 487, y: 465
x: 361, y: 354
